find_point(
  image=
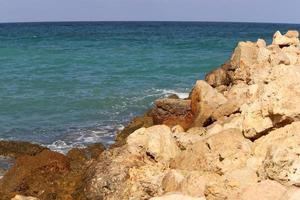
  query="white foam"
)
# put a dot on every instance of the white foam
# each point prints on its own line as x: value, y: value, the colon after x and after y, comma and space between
x: 167, y: 92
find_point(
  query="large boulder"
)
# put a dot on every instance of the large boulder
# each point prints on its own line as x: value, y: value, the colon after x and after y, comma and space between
x: 291, y: 38
x: 17, y: 148
x: 282, y: 162
x: 156, y: 142
x: 218, y: 153
x: 218, y: 77
x: 205, y: 100
x: 172, y: 112
x: 121, y: 174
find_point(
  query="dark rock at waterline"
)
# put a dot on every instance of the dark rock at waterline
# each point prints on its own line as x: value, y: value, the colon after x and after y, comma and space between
x: 172, y: 112
x: 17, y: 148
x: 173, y: 96
x: 49, y: 175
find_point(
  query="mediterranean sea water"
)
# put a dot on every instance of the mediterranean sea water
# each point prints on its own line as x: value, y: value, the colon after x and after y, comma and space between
x: 70, y: 84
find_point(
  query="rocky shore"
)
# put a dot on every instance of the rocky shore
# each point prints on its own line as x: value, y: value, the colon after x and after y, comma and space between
x: 236, y: 137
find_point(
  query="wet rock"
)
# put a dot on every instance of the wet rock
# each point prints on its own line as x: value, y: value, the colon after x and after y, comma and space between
x: 172, y: 112
x: 18, y: 148
x: 47, y: 175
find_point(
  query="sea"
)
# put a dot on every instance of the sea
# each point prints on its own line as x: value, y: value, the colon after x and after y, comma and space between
x: 70, y: 84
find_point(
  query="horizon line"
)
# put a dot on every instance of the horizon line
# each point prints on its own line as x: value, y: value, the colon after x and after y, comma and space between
x: 183, y: 21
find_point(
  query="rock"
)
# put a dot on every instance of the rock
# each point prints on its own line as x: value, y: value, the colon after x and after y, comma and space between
x: 263, y: 144
x: 194, y: 184
x: 177, y: 129
x: 46, y: 175
x: 242, y: 59
x: 137, y: 122
x: 172, y: 181
x: 172, y: 112
x: 18, y: 148
x: 173, y: 96
x: 282, y: 162
x: 120, y: 174
x: 20, y: 197
x: 218, y: 153
x: 292, y: 34
x: 95, y: 150
x: 197, y: 131
x: 265, y: 190
x: 217, y: 78
x: 185, y: 140
x: 156, y: 142
x: 204, y: 101
x: 218, y: 187
x: 291, y: 194
x: 92, y: 151
x: 234, y: 121
x: 244, y: 176
x: 176, y: 196
x: 285, y: 40
x: 255, y: 123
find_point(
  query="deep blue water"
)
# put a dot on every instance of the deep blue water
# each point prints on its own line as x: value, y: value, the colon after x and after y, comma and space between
x: 70, y: 84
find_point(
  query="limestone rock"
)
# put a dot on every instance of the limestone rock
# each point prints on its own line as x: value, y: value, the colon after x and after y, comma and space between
x: 172, y: 181
x: 177, y: 129
x: 205, y: 100
x: 263, y: 144
x: 197, y: 131
x: 172, y: 112
x: 265, y: 190
x: 217, y: 77
x: 282, y: 162
x: 218, y: 153
x: 292, y: 34
x: 244, y: 176
x: 190, y: 183
x: 176, y: 196
x: 185, y: 140
x: 155, y: 141
x: 291, y: 194
x: 285, y: 40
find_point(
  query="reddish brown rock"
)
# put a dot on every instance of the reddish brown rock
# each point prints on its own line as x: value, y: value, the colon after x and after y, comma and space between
x: 173, y: 112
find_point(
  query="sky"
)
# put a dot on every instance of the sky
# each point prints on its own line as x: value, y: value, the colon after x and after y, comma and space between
x: 280, y: 11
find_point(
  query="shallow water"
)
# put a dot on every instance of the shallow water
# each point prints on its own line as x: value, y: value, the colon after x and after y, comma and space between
x: 71, y: 84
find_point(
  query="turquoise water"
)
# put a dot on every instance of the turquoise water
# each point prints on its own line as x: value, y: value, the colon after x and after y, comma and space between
x: 71, y: 84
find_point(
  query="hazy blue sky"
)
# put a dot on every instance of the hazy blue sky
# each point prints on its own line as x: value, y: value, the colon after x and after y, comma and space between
x: 164, y: 10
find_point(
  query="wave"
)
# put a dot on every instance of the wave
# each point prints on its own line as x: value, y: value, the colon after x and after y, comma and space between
x: 167, y: 92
